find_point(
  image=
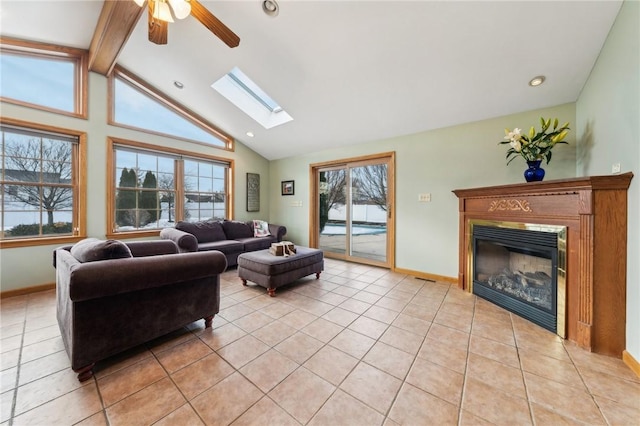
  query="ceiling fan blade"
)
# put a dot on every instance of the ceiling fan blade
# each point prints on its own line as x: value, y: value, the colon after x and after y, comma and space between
x: 214, y: 25
x: 158, y: 30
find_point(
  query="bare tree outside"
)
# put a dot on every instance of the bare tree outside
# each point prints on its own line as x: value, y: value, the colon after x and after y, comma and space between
x: 336, y: 181
x: 167, y: 195
x: 332, y: 192
x: 42, y: 170
x: 370, y: 183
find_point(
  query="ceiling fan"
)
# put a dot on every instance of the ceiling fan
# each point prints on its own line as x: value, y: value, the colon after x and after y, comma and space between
x: 160, y: 14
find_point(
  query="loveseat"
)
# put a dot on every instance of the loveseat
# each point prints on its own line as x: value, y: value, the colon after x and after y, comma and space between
x: 231, y: 237
x: 112, y: 296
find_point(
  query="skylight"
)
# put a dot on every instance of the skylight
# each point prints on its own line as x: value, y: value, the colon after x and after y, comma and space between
x: 241, y: 91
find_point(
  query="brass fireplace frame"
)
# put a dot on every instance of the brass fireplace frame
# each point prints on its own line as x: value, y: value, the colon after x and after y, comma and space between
x: 561, y: 279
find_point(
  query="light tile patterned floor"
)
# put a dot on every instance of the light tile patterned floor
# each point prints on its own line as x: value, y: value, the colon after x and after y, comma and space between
x: 359, y: 346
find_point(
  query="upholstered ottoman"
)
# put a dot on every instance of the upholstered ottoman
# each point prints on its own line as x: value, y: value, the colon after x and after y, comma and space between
x: 269, y: 271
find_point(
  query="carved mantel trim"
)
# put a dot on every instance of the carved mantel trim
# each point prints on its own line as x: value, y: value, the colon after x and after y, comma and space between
x: 593, y: 209
x: 512, y: 205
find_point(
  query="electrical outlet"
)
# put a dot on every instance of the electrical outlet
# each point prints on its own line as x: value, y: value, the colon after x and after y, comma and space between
x: 615, y: 168
x: 424, y: 198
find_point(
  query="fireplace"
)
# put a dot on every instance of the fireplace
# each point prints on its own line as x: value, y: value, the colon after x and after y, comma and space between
x: 593, y: 210
x: 521, y: 267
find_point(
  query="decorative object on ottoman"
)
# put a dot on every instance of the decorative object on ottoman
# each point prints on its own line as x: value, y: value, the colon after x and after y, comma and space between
x: 140, y: 291
x: 271, y: 272
x: 283, y: 248
x: 536, y: 146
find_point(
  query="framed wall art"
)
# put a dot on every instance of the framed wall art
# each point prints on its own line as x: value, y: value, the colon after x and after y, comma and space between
x: 288, y: 187
x: 253, y: 192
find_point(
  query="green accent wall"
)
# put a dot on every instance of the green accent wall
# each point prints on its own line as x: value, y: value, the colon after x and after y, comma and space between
x: 608, y: 132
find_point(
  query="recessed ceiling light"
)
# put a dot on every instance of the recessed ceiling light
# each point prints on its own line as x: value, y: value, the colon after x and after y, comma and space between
x: 178, y: 84
x: 270, y: 7
x: 537, y: 81
x: 250, y: 134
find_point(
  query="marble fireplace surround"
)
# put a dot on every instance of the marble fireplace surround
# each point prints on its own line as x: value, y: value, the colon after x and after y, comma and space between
x: 594, y: 211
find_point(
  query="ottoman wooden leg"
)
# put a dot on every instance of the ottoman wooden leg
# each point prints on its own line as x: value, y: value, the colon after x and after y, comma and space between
x: 271, y: 291
x: 244, y: 282
x: 317, y: 275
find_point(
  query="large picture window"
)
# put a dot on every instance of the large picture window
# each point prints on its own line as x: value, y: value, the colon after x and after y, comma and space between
x: 136, y: 105
x: 153, y: 187
x: 40, y: 179
x: 45, y: 77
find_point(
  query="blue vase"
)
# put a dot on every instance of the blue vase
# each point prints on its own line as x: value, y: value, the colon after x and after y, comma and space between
x: 534, y: 173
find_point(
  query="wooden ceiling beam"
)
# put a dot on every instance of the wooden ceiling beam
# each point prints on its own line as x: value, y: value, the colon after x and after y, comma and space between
x: 115, y: 24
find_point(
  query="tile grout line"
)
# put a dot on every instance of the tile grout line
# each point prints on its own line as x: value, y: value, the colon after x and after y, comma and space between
x: 524, y: 381
x: 415, y: 357
x: 14, y: 400
x: 337, y: 387
x: 188, y: 401
x: 361, y: 360
x: 466, y: 364
x: 584, y: 382
x: 325, y: 344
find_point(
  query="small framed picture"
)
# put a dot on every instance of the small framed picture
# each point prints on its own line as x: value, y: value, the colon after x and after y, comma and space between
x: 288, y: 187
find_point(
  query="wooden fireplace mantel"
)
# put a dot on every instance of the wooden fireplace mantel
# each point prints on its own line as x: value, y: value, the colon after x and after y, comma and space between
x: 594, y: 210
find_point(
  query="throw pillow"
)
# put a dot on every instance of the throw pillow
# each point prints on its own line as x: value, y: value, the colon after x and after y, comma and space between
x: 260, y: 228
x: 93, y: 249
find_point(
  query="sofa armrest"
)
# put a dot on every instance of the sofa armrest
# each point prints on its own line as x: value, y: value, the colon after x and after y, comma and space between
x: 278, y: 231
x: 92, y: 280
x: 67, y: 248
x: 186, y: 242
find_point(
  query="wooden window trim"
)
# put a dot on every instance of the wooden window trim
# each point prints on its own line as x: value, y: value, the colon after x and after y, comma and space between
x: 112, y: 142
x: 46, y: 50
x: 79, y: 183
x: 168, y: 102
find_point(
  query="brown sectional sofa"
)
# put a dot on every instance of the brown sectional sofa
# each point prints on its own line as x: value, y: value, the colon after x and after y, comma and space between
x: 230, y: 237
x: 112, y: 296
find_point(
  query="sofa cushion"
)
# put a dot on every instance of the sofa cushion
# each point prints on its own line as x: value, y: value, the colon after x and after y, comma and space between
x: 253, y: 244
x: 235, y: 229
x: 205, y: 231
x: 225, y: 246
x: 93, y: 249
x: 260, y: 228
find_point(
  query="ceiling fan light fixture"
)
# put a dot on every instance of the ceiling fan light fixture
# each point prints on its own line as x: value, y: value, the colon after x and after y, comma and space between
x: 270, y: 7
x: 162, y: 11
x: 537, y: 80
x: 181, y: 8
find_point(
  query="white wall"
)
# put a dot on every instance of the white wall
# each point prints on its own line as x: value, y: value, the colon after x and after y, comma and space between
x: 608, y: 129
x: 435, y: 162
x: 31, y: 266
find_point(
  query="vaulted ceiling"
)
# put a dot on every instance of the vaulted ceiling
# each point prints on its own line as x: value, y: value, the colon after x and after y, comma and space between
x: 347, y: 71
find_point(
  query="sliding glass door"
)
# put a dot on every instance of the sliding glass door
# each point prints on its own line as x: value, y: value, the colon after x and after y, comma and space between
x: 353, y: 209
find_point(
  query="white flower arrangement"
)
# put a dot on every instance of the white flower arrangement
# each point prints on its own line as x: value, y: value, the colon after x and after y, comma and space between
x: 535, y: 146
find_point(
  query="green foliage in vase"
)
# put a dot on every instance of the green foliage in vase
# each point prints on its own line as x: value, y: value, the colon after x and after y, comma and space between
x: 535, y: 146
